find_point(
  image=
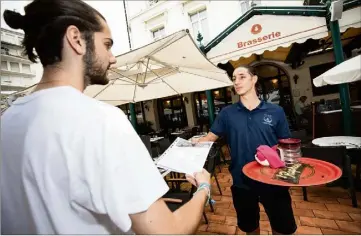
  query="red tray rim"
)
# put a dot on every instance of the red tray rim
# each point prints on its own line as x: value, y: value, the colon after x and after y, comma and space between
x: 285, y: 184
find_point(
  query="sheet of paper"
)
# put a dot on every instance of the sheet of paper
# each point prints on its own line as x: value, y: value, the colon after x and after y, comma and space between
x: 184, y: 157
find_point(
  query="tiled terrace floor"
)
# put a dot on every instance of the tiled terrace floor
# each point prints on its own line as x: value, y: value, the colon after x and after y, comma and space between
x: 328, y: 211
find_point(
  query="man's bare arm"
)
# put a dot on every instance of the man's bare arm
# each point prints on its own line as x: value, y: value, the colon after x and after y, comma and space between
x: 158, y: 219
x: 210, y: 137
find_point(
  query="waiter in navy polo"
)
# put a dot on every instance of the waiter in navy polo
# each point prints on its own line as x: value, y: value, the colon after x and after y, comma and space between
x: 247, y: 125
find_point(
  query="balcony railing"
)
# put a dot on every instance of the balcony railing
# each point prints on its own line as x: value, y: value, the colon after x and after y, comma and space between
x: 26, y: 73
x: 17, y: 55
x: 152, y: 2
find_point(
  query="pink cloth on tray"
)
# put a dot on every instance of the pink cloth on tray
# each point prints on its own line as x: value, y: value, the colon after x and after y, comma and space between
x: 265, y: 152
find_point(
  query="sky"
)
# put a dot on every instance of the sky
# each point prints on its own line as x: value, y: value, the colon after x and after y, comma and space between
x: 113, y: 11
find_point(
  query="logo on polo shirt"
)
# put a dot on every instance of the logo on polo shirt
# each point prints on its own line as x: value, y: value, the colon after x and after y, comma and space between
x: 267, y: 119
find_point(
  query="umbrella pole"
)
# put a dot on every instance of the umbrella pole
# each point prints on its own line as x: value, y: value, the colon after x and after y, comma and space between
x: 343, y: 88
x: 133, y: 117
x: 210, y: 103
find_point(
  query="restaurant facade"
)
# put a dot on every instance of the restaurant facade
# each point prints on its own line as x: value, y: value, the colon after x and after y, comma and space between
x: 288, y: 46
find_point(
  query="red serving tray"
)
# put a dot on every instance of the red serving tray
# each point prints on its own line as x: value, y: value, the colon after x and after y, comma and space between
x: 320, y: 173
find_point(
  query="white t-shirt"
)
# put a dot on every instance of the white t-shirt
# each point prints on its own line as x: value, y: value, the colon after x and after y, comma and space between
x: 72, y: 165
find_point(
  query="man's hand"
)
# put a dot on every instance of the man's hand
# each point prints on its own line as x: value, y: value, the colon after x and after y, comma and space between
x: 200, y: 177
x: 197, y: 140
x: 210, y: 137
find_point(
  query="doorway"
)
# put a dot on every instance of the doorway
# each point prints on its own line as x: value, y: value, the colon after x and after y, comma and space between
x: 274, y: 87
x: 172, y: 113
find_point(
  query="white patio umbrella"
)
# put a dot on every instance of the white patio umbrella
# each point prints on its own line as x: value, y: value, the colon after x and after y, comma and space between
x: 346, y: 72
x: 170, y: 66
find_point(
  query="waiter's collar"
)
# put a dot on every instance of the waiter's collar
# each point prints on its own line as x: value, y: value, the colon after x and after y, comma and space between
x: 261, y: 106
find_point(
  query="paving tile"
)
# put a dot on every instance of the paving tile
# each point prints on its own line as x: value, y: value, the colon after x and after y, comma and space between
x: 265, y: 225
x: 334, y: 232
x: 216, y: 197
x: 225, y: 212
x: 220, y: 204
x: 318, y: 189
x: 355, y: 216
x: 342, y: 208
x: 317, y: 222
x: 337, y: 194
x: 332, y: 215
x: 231, y: 207
x: 297, y: 198
x: 298, y: 221
x: 221, y: 228
x: 354, y: 227
x: 296, y: 192
x: 261, y: 207
x: 216, y: 218
x: 202, y: 227
x: 204, y: 233
x: 310, y: 205
x: 338, y: 189
x: 222, y: 180
x: 231, y: 220
x: 240, y: 232
x: 207, y: 209
x: 323, y: 200
x: 227, y: 193
x: 308, y: 230
x: 226, y: 184
x: 263, y: 216
x: 303, y: 212
x: 345, y: 201
x: 226, y: 199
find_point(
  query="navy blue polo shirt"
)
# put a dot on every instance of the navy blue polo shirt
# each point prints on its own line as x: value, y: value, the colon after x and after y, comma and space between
x: 246, y: 130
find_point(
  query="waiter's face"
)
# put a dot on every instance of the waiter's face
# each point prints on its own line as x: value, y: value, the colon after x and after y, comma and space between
x: 243, y: 81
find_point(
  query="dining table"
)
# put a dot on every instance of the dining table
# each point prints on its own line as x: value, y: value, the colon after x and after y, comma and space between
x: 348, y: 141
x: 155, y: 139
x: 353, y: 147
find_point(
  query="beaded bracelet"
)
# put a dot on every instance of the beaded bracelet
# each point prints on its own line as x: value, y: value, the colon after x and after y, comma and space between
x: 208, y: 188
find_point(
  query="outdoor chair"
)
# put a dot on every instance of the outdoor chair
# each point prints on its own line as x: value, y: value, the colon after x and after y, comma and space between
x: 336, y: 156
x: 147, y: 143
x: 211, y: 163
x: 175, y: 198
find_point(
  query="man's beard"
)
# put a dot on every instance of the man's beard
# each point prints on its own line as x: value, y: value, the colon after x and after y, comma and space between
x: 94, y: 71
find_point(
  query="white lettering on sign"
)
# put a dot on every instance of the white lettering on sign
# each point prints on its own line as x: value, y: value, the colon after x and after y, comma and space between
x: 259, y: 40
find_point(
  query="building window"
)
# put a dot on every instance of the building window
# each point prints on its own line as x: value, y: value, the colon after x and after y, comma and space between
x: 4, y: 65
x: 222, y: 98
x: 26, y: 68
x: 5, y: 51
x: 199, y: 23
x: 5, y: 79
x: 245, y: 6
x: 158, y: 33
x: 15, y: 66
x: 318, y: 70
x: 172, y: 113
